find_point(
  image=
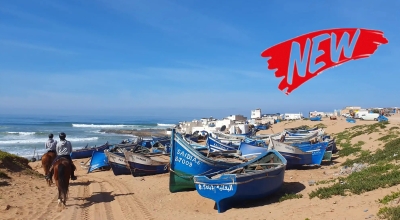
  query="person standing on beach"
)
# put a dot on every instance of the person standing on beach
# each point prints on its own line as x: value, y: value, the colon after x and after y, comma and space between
x: 63, y: 149
x: 51, y: 144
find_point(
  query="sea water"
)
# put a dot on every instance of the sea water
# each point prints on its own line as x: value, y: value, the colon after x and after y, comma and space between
x: 24, y: 135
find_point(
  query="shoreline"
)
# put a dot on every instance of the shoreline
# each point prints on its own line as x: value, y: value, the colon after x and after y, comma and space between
x: 102, y: 195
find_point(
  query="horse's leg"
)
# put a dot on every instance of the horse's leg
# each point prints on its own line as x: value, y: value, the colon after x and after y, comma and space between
x: 59, y: 197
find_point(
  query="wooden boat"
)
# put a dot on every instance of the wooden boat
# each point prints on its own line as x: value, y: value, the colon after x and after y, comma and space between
x: 351, y: 120
x: 251, y: 180
x: 117, y: 162
x: 215, y: 145
x: 262, y: 127
x: 300, y: 138
x: 142, y: 164
x: 87, y: 152
x: 186, y: 162
x: 301, y: 129
x: 98, y: 161
x: 316, y: 118
x: 296, y: 156
x: 382, y: 118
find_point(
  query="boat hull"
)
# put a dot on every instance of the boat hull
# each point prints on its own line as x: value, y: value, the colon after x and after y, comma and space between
x: 187, y: 162
x: 118, y: 163
x: 229, y: 189
x: 85, y: 153
x: 147, y: 164
x: 98, y: 161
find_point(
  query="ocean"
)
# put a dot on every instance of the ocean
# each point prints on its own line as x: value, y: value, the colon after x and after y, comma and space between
x: 24, y: 135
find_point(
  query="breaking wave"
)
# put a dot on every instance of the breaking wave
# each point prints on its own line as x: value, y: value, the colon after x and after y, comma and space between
x: 165, y: 125
x: 43, y: 140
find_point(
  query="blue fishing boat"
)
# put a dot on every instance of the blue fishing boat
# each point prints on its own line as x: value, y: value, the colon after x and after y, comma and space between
x: 316, y: 118
x: 262, y: 127
x: 301, y: 129
x: 296, y: 156
x: 88, y: 152
x: 251, y: 180
x: 382, y: 118
x: 351, y: 120
x: 186, y: 162
x: 117, y: 162
x: 98, y: 161
x: 143, y: 164
x: 146, y: 142
x: 215, y: 145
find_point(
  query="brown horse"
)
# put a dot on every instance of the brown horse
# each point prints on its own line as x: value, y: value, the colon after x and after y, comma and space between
x: 62, y: 173
x: 47, y: 160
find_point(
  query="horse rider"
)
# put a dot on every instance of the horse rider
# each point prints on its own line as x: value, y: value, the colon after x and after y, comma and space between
x: 51, y: 144
x: 63, y: 149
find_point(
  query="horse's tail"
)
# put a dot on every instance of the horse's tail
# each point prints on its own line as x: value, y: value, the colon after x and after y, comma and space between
x: 62, y: 182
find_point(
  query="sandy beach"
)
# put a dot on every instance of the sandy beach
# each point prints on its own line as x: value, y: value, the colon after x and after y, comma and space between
x: 101, y: 195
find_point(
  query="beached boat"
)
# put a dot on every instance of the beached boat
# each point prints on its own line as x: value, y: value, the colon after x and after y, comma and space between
x: 316, y: 118
x: 252, y: 180
x: 87, y: 152
x: 296, y: 156
x: 186, y: 162
x: 142, y: 164
x: 117, y: 162
x: 262, y: 127
x: 215, y: 145
x: 301, y: 129
x: 351, y: 120
x: 98, y: 161
x: 382, y: 118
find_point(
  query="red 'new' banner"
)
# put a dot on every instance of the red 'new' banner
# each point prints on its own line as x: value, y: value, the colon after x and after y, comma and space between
x: 299, y: 59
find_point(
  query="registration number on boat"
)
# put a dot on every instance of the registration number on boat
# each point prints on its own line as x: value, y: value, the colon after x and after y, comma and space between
x: 186, y: 159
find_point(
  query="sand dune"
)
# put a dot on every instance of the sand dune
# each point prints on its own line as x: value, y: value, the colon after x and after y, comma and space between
x: 101, y: 195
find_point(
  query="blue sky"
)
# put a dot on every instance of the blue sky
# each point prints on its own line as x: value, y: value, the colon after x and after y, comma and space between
x: 192, y: 57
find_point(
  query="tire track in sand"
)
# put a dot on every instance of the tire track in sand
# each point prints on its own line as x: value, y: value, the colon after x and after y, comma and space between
x: 106, y: 204
x: 131, y: 206
x: 84, y: 194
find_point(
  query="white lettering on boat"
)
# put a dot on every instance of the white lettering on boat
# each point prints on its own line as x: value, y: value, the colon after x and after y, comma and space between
x: 216, y: 187
x: 186, y: 159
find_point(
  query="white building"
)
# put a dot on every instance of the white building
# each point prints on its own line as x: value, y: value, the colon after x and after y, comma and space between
x: 255, y: 114
x: 292, y: 116
x: 205, y: 124
x: 237, y: 118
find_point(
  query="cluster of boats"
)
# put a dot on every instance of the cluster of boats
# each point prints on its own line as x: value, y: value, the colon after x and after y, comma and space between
x: 228, y: 168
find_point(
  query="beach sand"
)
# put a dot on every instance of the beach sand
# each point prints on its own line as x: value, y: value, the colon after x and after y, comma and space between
x: 101, y: 195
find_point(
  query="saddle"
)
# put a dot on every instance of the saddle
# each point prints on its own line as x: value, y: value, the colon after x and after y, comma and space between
x: 63, y: 158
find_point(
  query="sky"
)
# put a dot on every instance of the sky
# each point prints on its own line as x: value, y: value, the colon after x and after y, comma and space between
x: 195, y: 58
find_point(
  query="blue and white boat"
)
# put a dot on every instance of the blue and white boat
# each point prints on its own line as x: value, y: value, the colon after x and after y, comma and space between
x: 187, y: 162
x: 215, y: 145
x: 117, y: 162
x: 98, y: 161
x: 316, y: 118
x: 351, y: 120
x: 251, y: 180
x: 143, y: 164
x: 88, y: 151
x: 296, y: 156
